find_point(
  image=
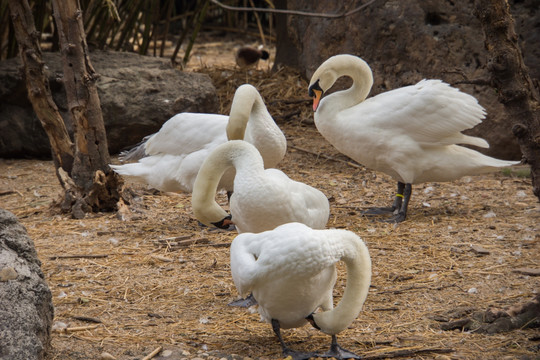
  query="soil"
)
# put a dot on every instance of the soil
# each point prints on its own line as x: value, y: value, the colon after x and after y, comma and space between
x: 125, y: 287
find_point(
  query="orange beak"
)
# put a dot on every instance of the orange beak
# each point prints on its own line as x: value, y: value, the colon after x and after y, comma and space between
x: 316, y: 99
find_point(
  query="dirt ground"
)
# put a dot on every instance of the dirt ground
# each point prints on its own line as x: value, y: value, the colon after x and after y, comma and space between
x: 123, y: 288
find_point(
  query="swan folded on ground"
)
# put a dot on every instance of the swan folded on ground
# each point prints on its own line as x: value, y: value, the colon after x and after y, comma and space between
x: 262, y: 198
x: 291, y: 273
x: 169, y: 160
x: 411, y: 133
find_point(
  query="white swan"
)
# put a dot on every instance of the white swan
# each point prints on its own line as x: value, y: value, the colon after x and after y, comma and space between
x: 173, y: 156
x: 410, y: 133
x: 291, y: 272
x: 262, y: 198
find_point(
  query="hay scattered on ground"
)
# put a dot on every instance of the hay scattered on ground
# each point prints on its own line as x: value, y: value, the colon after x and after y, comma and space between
x: 129, y: 287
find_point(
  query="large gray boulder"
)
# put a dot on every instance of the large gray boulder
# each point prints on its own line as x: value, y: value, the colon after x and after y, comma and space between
x: 137, y: 93
x: 26, y: 309
x: 407, y: 41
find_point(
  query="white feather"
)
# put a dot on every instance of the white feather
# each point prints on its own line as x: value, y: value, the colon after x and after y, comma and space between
x: 262, y: 198
x: 174, y: 155
x: 291, y: 273
x: 411, y: 133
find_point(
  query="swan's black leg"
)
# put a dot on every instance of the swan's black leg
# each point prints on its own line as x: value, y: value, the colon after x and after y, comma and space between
x: 295, y: 355
x: 338, y: 352
x: 402, y: 212
x: 247, y: 302
x: 388, y: 210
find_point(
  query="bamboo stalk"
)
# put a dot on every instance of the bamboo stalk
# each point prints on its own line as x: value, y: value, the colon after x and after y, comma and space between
x: 170, y: 8
x: 259, y: 25
x: 198, y: 26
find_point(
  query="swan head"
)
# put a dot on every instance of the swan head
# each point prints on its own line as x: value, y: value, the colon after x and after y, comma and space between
x: 333, y: 68
x: 212, y: 216
x: 224, y: 223
x: 321, y: 81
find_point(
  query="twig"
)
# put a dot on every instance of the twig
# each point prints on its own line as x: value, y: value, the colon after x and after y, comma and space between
x: 97, y: 256
x: 153, y: 353
x: 326, y: 156
x: 287, y: 116
x: 176, y: 238
x: 285, y: 101
x: 399, y: 291
x: 527, y: 271
x: 213, y: 245
x: 407, y: 353
x: 374, y: 342
x: 87, y: 319
x: 79, y: 328
x: 161, y: 258
x: 294, y: 12
x: 9, y: 192
x: 175, y: 245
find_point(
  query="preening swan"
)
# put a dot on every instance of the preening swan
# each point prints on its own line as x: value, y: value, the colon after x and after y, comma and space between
x: 262, y: 198
x: 411, y: 133
x: 169, y: 160
x: 291, y: 272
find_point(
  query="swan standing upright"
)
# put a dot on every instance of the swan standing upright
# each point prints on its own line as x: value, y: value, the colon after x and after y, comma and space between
x: 262, y: 198
x: 291, y: 273
x: 169, y: 160
x: 410, y: 133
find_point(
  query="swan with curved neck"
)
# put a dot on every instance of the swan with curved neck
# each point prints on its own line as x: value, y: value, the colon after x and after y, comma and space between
x: 169, y: 160
x: 291, y: 272
x: 262, y: 198
x: 410, y: 133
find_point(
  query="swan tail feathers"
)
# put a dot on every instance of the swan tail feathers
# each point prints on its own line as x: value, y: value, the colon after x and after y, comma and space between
x: 475, y: 141
x: 135, y: 153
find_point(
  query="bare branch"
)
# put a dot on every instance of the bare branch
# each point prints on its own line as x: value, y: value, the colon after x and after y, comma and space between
x: 294, y: 12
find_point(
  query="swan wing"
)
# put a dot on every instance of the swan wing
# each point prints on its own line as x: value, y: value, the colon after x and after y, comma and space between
x: 430, y: 113
x: 264, y: 202
x: 308, y: 205
x: 185, y: 133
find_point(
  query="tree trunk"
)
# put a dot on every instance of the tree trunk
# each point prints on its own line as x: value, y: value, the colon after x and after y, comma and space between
x: 37, y: 84
x: 83, y: 166
x: 511, y: 78
x: 91, y: 185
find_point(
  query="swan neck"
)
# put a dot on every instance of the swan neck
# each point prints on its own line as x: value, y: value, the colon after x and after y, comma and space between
x: 237, y: 154
x: 362, y: 77
x: 358, y: 263
x: 244, y: 103
x: 360, y: 73
x: 203, y: 198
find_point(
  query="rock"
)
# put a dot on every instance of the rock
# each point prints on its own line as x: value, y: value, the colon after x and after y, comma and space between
x: 26, y: 309
x: 137, y: 93
x: 106, y: 356
x: 407, y: 41
x: 479, y: 249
